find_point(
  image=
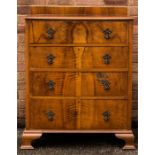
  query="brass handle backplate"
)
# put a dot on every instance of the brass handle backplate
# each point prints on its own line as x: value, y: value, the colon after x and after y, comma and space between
x: 50, y: 115
x: 106, y: 59
x: 106, y: 84
x: 50, y: 33
x: 51, y: 85
x: 50, y: 58
x: 107, y: 33
x: 106, y: 115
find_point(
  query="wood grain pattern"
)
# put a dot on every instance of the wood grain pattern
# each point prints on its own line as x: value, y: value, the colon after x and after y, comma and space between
x: 64, y: 57
x: 92, y: 86
x: 86, y: 114
x: 39, y: 29
x: 94, y: 31
x: 119, y: 32
x: 65, y: 114
x: 64, y: 84
x: 78, y: 84
x: 130, y: 74
x: 92, y: 114
x: 79, y: 33
x: 83, y: 87
x: 91, y: 57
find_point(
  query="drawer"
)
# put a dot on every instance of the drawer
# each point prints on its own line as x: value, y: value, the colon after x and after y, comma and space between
x: 109, y: 32
x: 63, y: 32
x: 83, y: 114
x: 105, y: 57
x: 52, y: 57
x: 103, y: 114
x: 52, y: 114
x: 104, y: 84
x: 71, y: 57
x: 48, y: 32
x: 78, y: 84
x: 52, y: 84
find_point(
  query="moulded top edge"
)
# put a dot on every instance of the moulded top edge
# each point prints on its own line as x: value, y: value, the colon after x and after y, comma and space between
x: 51, y: 17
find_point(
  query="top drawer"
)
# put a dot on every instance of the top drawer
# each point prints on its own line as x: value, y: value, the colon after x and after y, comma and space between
x: 73, y: 32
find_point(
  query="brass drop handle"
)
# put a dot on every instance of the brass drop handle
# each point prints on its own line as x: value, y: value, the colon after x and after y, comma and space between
x: 50, y: 58
x: 106, y: 115
x: 107, y: 33
x: 106, y: 84
x: 50, y: 33
x: 50, y: 115
x: 106, y: 59
x: 51, y: 84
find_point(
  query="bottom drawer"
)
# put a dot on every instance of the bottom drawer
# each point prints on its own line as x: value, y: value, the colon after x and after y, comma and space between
x: 52, y: 114
x: 78, y: 114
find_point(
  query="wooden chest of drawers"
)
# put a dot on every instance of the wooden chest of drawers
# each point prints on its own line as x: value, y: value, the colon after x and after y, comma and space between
x: 79, y: 76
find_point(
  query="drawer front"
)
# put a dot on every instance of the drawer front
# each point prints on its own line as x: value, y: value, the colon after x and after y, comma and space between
x: 51, y: 32
x: 52, y: 84
x: 52, y: 114
x: 52, y: 57
x: 103, y: 114
x: 48, y: 32
x: 109, y: 32
x: 71, y: 57
x: 78, y: 84
x: 104, y: 84
x: 72, y: 114
x: 105, y: 57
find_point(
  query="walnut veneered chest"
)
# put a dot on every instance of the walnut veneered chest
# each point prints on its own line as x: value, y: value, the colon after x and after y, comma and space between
x: 79, y: 74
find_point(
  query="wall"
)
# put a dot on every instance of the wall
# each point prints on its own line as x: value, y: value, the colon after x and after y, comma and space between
x: 24, y: 8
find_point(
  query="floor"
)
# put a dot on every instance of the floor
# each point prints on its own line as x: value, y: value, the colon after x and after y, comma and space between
x: 77, y: 144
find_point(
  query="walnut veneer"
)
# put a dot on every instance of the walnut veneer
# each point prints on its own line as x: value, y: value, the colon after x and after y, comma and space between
x: 78, y: 73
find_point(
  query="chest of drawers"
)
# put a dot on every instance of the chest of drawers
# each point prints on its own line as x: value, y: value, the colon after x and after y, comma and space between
x: 79, y: 76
